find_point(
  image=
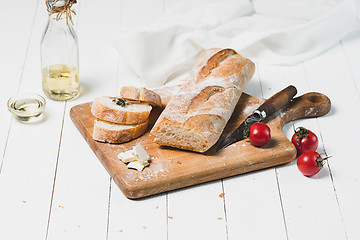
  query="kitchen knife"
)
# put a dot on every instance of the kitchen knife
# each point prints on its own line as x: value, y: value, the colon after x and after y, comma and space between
x: 268, y: 108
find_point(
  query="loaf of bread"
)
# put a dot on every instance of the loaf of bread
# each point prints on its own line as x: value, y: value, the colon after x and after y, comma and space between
x: 140, y: 94
x: 115, y: 110
x: 117, y: 133
x: 195, y: 118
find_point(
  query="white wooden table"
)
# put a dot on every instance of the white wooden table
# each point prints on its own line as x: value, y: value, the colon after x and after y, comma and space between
x: 52, y: 186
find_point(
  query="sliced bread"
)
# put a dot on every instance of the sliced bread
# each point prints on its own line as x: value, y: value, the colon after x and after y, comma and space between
x: 117, y: 133
x: 140, y: 94
x: 109, y: 109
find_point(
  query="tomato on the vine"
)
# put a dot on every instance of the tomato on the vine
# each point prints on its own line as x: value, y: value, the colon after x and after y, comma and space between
x: 259, y: 134
x: 304, y: 140
x: 310, y: 163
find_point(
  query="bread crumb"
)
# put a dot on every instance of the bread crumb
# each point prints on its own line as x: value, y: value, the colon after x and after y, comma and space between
x: 219, y: 218
x: 170, y: 217
x: 178, y: 162
x: 144, y: 227
x: 221, y: 195
x: 24, y: 201
x: 78, y: 226
x: 120, y: 230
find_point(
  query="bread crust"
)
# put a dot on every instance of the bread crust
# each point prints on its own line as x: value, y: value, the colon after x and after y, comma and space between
x: 104, y: 110
x: 195, y: 118
x: 104, y: 134
x: 140, y: 94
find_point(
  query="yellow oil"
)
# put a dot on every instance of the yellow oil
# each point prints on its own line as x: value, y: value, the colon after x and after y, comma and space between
x: 27, y: 109
x: 61, y: 82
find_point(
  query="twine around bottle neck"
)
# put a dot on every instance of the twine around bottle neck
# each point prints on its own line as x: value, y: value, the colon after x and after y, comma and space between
x: 60, y: 10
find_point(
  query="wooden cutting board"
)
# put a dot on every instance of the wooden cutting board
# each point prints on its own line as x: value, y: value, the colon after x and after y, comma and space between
x: 172, y: 168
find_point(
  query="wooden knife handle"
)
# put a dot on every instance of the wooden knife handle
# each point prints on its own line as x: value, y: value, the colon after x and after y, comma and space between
x: 278, y: 101
x: 309, y: 105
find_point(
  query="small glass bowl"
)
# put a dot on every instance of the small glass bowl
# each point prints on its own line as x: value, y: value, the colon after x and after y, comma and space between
x: 27, y: 108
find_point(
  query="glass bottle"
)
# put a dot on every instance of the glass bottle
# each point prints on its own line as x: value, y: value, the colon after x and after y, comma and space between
x: 59, y: 55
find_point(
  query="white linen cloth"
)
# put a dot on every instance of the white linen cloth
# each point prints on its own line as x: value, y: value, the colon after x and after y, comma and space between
x: 266, y: 31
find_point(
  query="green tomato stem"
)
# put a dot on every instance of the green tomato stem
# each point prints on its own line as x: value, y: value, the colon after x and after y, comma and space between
x: 300, y: 132
x: 320, y: 160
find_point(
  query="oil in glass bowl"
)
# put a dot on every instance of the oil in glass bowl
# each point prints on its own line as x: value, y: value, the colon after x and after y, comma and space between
x: 27, y: 108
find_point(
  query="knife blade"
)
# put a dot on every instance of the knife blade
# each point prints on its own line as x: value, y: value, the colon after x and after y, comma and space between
x: 268, y: 108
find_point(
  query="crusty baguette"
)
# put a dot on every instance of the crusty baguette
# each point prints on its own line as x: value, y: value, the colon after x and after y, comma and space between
x: 195, y: 118
x: 140, y: 94
x: 117, y: 133
x: 104, y: 108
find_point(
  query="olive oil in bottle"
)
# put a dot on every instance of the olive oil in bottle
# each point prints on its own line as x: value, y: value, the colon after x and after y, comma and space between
x: 59, y: 52
x: 61, y: 82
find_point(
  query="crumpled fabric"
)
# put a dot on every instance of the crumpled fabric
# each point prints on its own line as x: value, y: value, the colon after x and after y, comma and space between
x: 276, y: 32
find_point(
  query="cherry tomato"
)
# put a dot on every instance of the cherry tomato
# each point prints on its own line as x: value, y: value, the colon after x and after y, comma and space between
x: 310, y: 163
x: 259, y: 134
x: 304, y: 140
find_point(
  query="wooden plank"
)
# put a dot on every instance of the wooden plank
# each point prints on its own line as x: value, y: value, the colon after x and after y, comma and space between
x: 140, y: 219
x: 252, y: 199
x: 145, y: 218
x: 196, y: 212
x: 298, y: 193
x: 13, y: 49
x: 81, y: 191
x: 351, y: 48
x: 331, y: 74
x: 27, y: 173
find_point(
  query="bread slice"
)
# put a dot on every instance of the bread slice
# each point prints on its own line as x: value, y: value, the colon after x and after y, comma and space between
x: 106, y: 109
x: 140, y: 94
x: 117, y: 133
